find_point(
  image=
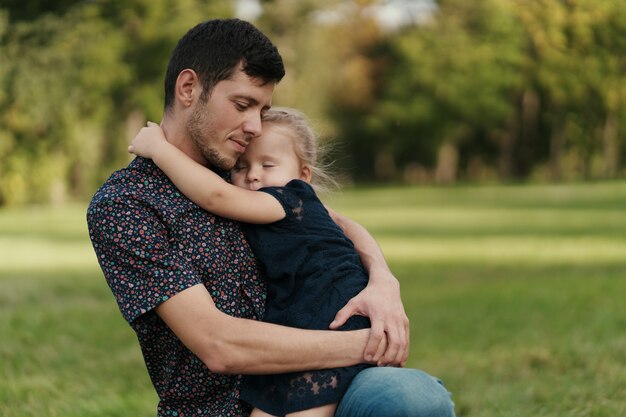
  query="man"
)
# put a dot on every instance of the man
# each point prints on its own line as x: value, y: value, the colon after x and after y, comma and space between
x: 186, y: 280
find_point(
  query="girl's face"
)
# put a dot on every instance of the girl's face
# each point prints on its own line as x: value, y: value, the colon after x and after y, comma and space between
x: 269, y: 161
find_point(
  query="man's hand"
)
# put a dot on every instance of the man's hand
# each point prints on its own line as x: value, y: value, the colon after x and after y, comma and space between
x: 381, y: 302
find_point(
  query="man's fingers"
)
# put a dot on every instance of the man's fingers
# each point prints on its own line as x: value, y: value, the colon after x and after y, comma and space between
x: 394, y: 347
x: 400, y: 358
x: 382, y: 347
x: 342, y: 316
x: 398, y: 341
x: 407, y: 340
x: 377, y: 333
x: 401, y: 335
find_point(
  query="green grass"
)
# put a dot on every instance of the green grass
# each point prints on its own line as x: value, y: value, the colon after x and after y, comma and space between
x: 515, y: 296
x: 64, y: 348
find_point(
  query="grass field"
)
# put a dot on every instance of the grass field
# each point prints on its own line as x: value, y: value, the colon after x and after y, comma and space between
x: 515, y: 295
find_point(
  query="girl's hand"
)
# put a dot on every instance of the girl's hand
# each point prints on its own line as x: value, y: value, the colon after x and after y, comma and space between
x: 147, y: 141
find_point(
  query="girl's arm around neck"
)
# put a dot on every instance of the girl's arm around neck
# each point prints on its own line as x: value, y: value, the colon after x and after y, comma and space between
x: 203, y: 186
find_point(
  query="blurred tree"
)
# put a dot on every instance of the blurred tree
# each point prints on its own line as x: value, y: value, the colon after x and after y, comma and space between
x: 294, y: 26
x: 573, y: 74
x: 490, y: 83
x: 76, y: 81
x: 353, y: 64
x: 26, y: 10
x: 360, y: 50
x: 451, y: 90
x: 58, y: 73
x: 448, y: 81
x: 325, y: 61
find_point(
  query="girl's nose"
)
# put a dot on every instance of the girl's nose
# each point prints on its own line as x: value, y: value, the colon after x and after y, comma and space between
x: 253, y: 174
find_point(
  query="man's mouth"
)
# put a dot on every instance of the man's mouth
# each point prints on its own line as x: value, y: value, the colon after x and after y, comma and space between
x: 239, y: 145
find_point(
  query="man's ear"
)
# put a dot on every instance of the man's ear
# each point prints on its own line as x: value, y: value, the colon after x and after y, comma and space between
x: 188, y: 87
x: 306, y: 173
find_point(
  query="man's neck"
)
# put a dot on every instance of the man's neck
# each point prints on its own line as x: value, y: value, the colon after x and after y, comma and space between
x: 177, y: 135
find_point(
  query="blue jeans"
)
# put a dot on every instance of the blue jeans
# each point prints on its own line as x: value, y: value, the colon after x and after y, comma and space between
x: 395, y: 392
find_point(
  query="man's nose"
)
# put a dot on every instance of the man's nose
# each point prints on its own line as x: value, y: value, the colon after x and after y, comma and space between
x: 252, y: 125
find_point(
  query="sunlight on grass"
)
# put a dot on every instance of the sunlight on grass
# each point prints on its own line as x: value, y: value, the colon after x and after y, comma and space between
x: 459, y: 220
x: 507, y: 250
x: 36, y: 254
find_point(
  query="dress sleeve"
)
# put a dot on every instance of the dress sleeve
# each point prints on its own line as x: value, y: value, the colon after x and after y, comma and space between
x: 139, y: 263
x: 292, y: 197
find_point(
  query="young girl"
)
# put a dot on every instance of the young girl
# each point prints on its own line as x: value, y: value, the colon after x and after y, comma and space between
x: 312, y: 268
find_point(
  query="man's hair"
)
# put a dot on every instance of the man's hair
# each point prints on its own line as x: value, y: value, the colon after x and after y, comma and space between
x: 214, y: 48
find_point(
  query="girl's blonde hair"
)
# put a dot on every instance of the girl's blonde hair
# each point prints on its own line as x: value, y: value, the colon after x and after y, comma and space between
x: 305, y: 142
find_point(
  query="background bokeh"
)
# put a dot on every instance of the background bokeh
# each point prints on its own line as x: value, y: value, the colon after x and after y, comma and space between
x: 413, y: 91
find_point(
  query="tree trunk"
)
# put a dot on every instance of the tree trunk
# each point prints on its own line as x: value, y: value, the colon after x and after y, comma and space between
x: 507, y: 147
x: 385, y: 165
x: 557, y: 143
x: 528, y: 133
x: 610, y: 147
x: 447, y: 164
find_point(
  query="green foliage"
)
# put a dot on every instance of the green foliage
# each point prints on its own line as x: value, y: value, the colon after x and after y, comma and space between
x: 73, y: 81
x: 479, y: 90
x: 59, y: 73
x: 453, y: 81
x: 575, y: 70
x: 519, y: 88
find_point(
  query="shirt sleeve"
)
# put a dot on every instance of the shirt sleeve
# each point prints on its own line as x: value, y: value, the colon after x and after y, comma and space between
x: 141, y: 266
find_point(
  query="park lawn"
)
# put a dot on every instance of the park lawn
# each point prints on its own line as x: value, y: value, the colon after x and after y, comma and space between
x: 514, y: 295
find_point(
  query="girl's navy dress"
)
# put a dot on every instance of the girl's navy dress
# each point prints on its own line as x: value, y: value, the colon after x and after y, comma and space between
x: 312, y: 270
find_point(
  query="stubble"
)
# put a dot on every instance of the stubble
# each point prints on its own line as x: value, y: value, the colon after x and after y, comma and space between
x: 204, y: 136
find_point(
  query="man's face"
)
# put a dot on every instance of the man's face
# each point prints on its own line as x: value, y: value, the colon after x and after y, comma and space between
x: 223, y: 126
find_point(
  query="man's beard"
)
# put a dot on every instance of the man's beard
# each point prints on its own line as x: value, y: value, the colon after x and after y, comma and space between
x: 199, y: 131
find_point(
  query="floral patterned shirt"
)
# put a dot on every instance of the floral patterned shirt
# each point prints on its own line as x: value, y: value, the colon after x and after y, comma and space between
x: 152, y: 243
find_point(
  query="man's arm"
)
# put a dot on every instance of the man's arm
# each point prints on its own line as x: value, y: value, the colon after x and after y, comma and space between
x: 233, y: 345
x: 134, y: 252
x: 380, y: 300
